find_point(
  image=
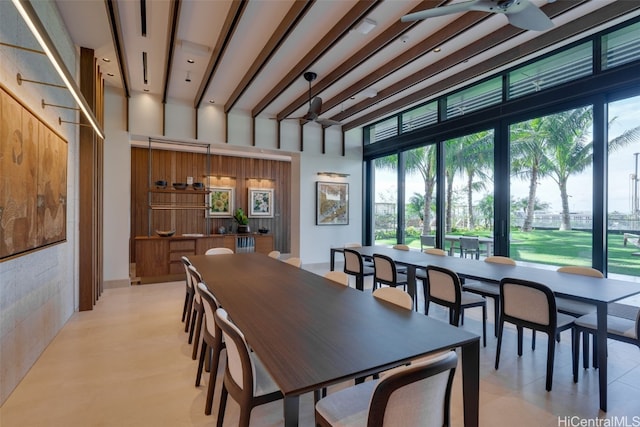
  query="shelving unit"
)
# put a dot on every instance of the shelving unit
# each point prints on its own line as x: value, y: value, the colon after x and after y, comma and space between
x: 173, y: 194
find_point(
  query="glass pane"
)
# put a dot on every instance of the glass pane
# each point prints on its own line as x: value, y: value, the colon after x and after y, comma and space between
x: 552, y: 188
x: 385, y: 202
x: 476, y: 97
x: 420, y: 191
x: 469, y: 190
x: 621, y: 46
x: 419, y: 117
x: 551, y: 71
x: 623, y: 204
x: 383, y: 130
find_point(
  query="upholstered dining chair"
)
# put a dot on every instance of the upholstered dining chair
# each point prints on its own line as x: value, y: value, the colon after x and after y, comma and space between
x: 189, y: 294
x: 212, y: 344
x: 489, y: 290
x: 435, y: 251
x: 218, y: 251
x: 401, y: 247
x: 295, y: 261
x: 395, y: 296
x: 354, y: 266
x: 245, y: 378
x: 532, y: 305
x: 417, y: 395
x: 386, y: 273
x: 367, y: 262
x: 274, y: 254
x: 197, y: 314
x: 442, y: 286
x: 338, y: 277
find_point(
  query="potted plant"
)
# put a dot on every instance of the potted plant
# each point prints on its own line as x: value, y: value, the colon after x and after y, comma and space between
x: 243, y: 221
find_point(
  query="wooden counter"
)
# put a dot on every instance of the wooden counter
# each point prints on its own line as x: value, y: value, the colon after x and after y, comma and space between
x: 158, y: 259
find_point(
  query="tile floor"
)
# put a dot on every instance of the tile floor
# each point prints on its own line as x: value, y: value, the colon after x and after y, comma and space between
x: 127, y: 363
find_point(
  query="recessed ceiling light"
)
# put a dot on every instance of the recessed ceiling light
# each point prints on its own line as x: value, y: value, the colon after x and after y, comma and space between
x: 436, y: 50
x: 146, y: 90
x: 110, y: 74
x: 190, y: 61
x: 211, y: 101
x: 106, y: 59
x: 365, y: 26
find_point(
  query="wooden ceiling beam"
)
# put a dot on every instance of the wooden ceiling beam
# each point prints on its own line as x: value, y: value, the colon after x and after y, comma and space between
x: 174, y: 17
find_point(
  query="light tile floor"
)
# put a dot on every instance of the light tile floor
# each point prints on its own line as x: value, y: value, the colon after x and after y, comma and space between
x: 127, y: 363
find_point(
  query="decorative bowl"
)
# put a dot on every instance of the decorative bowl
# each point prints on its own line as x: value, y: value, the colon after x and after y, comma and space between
x: 263, y: 230
x: 179, y: 185
x: 161, y: 184
x: 165, y: 233
x: 198, y: 186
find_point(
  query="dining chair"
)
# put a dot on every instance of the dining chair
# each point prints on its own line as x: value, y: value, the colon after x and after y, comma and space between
x: 427, y: 240
x: 624, y: 327
x: 212, y: 344
x: 435, y: 251
x: 295, y: 261
x: 354, y: 266
x: 469, y: 246
x: 218, y: 251
x: 245, y: 377
x: 395, y: 296
x: 197, y: 314
x: 401, y: 247
x: 532, y: 305
x: 189, y: 294
x: 367, y: 262
x: 274, y: 254
x: 385, y: 272
x: 442, y: 286
x: 487, y: 289
x: 417, y: 395
x: 338, y: 277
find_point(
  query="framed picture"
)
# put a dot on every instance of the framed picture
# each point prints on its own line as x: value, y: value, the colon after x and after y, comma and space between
x: 332, y: 203
x: 261, y: 202
x: 220, y: 202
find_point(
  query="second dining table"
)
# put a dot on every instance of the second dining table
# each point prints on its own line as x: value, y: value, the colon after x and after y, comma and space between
x: 310, y: 332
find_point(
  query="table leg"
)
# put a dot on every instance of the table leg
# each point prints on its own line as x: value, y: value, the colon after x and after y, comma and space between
x: 332, y: 260
x: 471, y: 382
x: 291, y: 408
x: 601, y: 337
x: 411, y: 285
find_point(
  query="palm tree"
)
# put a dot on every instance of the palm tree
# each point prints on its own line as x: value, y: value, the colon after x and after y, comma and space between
x: 423, y: 161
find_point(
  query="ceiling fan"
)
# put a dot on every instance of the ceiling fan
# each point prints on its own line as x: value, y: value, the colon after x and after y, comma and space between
x: 520, y: 13
x: 315, y: 106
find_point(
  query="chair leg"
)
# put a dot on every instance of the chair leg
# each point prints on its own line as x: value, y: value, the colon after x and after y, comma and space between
x: 194, y: 315
x: 499, y: 345
x: 189, y: 309
x: 551, y: 348
x: 484, y: 325
x: 223, y: 405
x: 196, y: 341
x: 533, y: 340
x: 203, y: 353
x: 213, y: 376
x: 519, y: 329
x: 186, y: 304
x: 585, y: 351
x: 575, y: 354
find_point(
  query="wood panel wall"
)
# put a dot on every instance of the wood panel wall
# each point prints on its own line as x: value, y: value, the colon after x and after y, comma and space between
x: 239, y: 173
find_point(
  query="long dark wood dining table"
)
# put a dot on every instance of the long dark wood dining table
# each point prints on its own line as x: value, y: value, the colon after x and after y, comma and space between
x: 310, y: 332
x: 596, y: 291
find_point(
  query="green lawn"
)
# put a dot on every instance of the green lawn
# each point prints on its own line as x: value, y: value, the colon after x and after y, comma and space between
x: 555, y: 247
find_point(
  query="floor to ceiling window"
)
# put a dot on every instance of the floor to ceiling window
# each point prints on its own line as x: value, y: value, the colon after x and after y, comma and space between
x: 469, y: 189
x: 420, y: 185
x: 552, y: 188
x: 623, y: 204
x: 385, y: 200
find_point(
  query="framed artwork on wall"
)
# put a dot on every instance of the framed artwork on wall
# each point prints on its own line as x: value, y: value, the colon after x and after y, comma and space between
x: 261, y: 203
x: 332, y: 203
x: 220, y: 202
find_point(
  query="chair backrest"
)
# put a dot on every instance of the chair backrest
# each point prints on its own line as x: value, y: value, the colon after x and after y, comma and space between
x: 583, y: 271
x: 435, y: 251
x: 469, y: 243
x: 395, y: 296
x: 497, y: 259
x: 444, y: 288
x: 401, y: 247
x: 338, y: 277
x: 353, y: 245
x: 218, y: 251
x: 385, y: 270
x: 295, y: 261
x: 416, y: 395
x: 210, y: 304
x: 196, y: 277
x: 274, y: 254
x: 353, y: 263
x: 530, y: 301
x: 426, y: 240
x: 240, y: 366
x: 186, y: 263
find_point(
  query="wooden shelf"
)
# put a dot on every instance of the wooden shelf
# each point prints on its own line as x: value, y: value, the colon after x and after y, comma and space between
x: 173, y: 191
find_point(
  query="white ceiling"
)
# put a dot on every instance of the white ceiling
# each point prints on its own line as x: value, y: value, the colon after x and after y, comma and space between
x: 203, y: 26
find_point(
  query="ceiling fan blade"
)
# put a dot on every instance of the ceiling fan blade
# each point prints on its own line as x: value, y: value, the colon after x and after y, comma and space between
x: 529, y: 17
x: 327, y: 122
x: 439, y: 11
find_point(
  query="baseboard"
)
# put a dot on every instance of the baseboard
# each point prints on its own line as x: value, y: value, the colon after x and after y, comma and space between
x: 121, y: 283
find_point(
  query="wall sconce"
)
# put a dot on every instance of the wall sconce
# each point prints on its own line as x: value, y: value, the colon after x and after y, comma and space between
x: 25, y: 9
x: 333, y: 174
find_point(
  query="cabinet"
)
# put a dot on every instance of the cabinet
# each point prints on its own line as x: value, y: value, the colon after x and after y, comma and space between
x: 170, y: 199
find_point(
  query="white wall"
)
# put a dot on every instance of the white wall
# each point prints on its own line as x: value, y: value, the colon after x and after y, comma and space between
x: 38, y: 291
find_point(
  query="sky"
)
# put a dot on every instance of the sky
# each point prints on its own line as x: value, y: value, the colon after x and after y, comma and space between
x: 622, y: 165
